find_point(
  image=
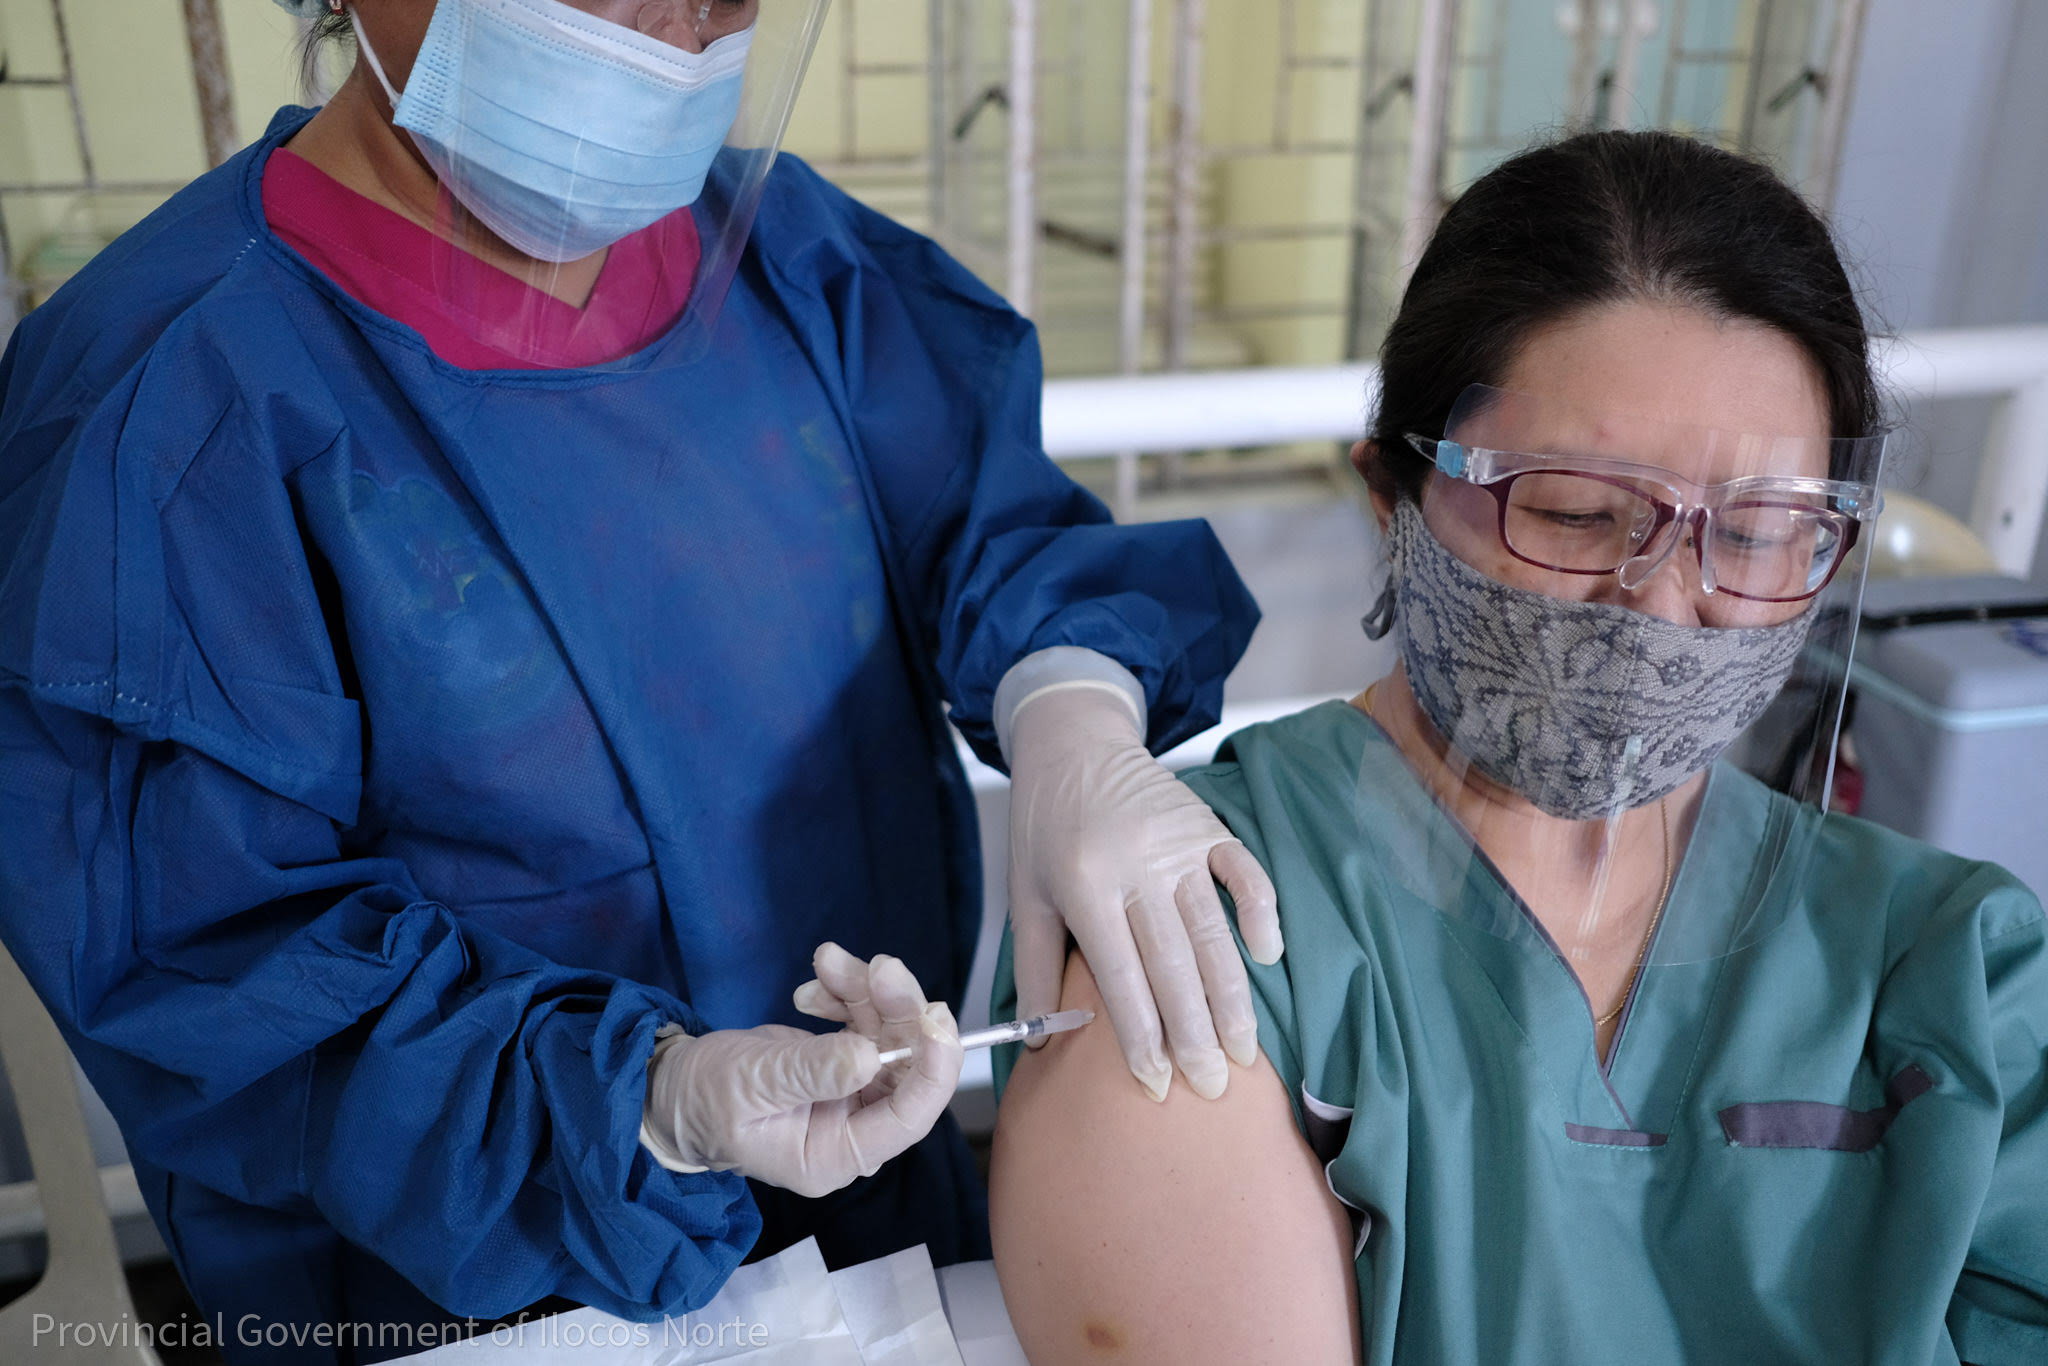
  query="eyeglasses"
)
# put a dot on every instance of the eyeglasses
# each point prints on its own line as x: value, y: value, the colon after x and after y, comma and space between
x: 1764, y: 537
x: 715, y: 19
x: 668, y: 20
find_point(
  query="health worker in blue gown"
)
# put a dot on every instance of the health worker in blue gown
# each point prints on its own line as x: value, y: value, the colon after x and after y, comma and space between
x: 484, y: 577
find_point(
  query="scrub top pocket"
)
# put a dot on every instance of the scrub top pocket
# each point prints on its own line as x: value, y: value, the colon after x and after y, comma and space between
x: 1813, y: 1124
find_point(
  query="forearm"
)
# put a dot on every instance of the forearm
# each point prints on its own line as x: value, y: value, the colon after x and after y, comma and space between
x: 301, y: 1030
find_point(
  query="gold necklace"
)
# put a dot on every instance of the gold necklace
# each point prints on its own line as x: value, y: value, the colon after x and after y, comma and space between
x: 1664, y: 819
x: 1663, y: 896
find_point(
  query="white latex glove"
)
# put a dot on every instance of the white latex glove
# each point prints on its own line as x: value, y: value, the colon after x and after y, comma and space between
x: 1106, y: 844
x: 806, y: 1112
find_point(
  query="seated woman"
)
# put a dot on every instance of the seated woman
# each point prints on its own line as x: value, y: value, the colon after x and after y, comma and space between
x: 1587, y: 1045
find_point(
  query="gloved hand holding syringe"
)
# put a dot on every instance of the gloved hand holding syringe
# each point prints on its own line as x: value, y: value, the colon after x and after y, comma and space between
x: 812, y: 1112
x: 819, y: 998
x: 1010, y: 1031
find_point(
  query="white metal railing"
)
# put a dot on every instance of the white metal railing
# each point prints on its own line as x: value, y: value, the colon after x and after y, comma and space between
x: 1214, y: 409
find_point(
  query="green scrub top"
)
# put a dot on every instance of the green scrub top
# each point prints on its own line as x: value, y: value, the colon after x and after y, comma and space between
x: 1829, y: 1146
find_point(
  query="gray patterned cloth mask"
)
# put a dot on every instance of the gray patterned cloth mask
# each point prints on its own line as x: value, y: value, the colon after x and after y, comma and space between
x: 1585, y: 708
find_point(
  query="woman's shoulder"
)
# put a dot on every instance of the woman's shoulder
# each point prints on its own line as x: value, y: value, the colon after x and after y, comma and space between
x: 1923, y: 890
x: 143, y: 366
x: 1321, y: 798
x: 1326, y: 762
x: 815, y: 238
x: 151, y: 415
x: 1863, y: 890
x: 1867, y: 894
x: 186, y: 281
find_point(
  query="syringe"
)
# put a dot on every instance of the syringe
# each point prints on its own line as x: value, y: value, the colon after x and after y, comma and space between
x: 1012, y: 1031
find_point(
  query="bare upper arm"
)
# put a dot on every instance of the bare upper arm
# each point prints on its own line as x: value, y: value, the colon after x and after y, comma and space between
x: 1183, y: 1231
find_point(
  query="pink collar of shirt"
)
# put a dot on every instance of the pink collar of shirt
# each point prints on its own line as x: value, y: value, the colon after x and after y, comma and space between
x: 472, y: 314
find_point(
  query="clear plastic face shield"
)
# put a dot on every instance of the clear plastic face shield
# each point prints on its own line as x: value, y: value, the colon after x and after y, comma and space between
x: 1600, y: 618
x: 572, y: 138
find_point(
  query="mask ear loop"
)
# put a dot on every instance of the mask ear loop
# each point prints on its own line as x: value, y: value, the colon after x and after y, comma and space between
x: 1380, y: 620
x: 370, y: 55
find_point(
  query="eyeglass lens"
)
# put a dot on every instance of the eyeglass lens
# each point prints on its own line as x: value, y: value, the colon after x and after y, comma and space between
x: 715, y: 19
x: 1780, y: 548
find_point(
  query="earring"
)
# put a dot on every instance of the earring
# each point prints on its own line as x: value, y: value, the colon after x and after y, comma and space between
x: 337, y: 6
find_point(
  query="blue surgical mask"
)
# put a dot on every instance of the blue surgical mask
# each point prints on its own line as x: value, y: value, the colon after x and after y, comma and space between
x: 560, y: 132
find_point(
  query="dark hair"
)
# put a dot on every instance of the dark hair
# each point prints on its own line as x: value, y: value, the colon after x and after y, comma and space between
x: 1601, y: 218
x: 324, y: 28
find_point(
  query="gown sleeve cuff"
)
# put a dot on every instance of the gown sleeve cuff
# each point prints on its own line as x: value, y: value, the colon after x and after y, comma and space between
x: 662, y: 1150
x: 1056, y: 668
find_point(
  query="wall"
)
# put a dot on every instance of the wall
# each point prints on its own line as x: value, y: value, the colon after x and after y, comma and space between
x: 140, y: 106
x: 1946, y: 229
x: 1942, y: 198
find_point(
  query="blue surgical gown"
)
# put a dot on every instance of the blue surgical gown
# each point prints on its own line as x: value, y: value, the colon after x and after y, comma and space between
x: 387, y: 749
